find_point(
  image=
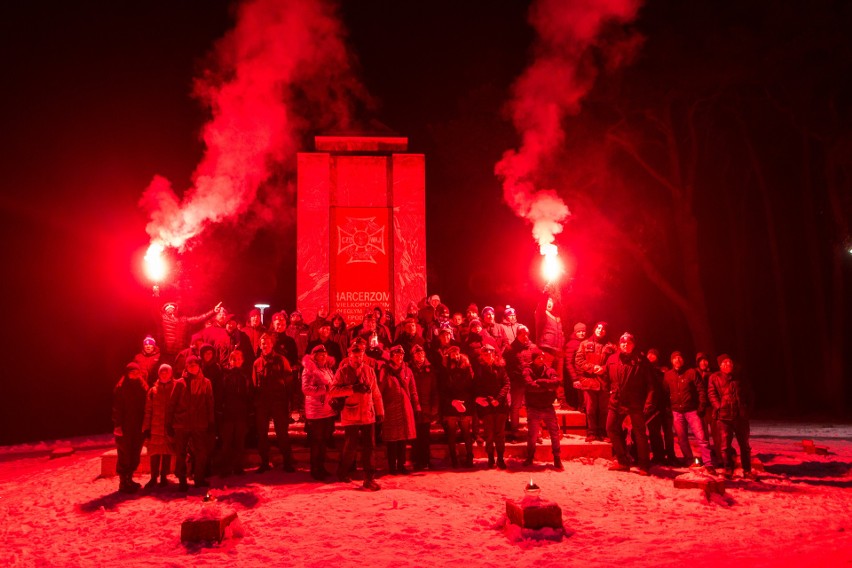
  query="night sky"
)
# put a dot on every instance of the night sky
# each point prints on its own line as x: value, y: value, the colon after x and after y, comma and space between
x: 97, y: 100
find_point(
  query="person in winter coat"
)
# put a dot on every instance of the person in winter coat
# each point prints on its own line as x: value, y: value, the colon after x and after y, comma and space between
x: 494, y: 330
x: 573, y: 396
x: 174, y: 328
x: 189, y: 420
x: 510, y: 324
x: 233, y: 402
x: 149, y: 359
x: 550, y: 337
x: 731, y: 398
x: 362, y: 408
x: 590, y: 361
x: 427, y: 392
x: 491, y: 392
x: 660, y: 435
x: 238, y: 341
x: 272, y: 383
x: 408, y: 338
x: 339, y: 334
x: 631, y: 396
x: 300, y: 332
x: 320, y: 321
x: 541, y: 383
x: 332, y: 347
x: 455, y: 384
x: 159, y: 449
x: 475, y: 339
x: 711, y: 426
x: 684, y: 389
x: 399, y: 398
x: 254, y: 331
x: 128, y: 415
x: 518, y: 357
x: 317, y: 378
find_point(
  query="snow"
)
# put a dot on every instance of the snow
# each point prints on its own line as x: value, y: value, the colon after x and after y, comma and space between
x: 58, y: 513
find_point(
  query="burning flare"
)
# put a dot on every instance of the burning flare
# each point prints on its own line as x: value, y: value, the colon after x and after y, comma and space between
x: 552, y: 88
x: 155, y: 265
x: 551, y: 266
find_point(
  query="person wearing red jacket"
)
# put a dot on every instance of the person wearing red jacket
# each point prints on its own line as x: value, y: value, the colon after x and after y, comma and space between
x: 190, y: 422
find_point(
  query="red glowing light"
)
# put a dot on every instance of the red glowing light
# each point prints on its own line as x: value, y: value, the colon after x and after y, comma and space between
x: 155, y: 264
x: 551, y: 266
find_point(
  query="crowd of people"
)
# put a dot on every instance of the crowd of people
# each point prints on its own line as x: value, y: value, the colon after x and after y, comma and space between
x: 199, y: 401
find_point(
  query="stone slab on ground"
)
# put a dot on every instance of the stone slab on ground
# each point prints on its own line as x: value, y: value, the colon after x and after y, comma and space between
x: 206, y: 527
x: 62, y: 452
x: 534, y: 513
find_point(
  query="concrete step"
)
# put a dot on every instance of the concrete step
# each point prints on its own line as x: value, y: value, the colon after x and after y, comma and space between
x: 571, y: 447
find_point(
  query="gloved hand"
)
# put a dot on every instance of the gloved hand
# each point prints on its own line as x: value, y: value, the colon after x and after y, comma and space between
x: 380, y: 418
x: 360, y: 387
x: 481, y: 401
x: 170, y: 430
x: 146, y: 434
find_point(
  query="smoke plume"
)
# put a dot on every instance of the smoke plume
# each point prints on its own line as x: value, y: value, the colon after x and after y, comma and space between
x: 550, y: 89
x: 282, y: 69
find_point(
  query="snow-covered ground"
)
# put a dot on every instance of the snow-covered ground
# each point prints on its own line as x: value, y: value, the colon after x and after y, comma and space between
x: 58, y: 513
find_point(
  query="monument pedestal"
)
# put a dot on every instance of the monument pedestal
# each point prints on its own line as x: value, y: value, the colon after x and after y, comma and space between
x: 361, y: 226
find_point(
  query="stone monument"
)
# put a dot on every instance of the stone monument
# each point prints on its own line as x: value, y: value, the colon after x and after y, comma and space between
x: 361, y: 226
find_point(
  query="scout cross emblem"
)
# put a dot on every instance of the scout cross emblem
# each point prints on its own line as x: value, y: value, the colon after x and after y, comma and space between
x: 361, y: 239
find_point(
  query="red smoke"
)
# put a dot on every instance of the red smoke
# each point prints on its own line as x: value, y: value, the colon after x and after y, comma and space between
x: 552, y: 88
x: 280, y: 55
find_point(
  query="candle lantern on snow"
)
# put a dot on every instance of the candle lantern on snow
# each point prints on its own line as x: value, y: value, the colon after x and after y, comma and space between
x: 533, y: 512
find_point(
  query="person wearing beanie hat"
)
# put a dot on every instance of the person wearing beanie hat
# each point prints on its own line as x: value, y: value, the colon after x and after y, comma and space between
x: 190, y: 421
x: 408, y: 338
x: 128, y: 415
x: 300, y: 332
x: 550, y: 335
x: 495, y: 331
x: 356, y: 382
x: 274, y: 380
x: 154, y: 427
x: 518, y: 357
x: 573, y: 396
x: 731, y: 397
x: 688, y: 400
x: 659, y: 424
x: 711, y: 426
x: 541, y: 385
x: 400, y: 400
x: 174, y: 328
x: 631, y: 395
x: 722, y: 358
x: 510, y: 324
x: 590, y: 361
x: 491, y: 391
x: 317, y: 378
x: 253, y: 329
x: 148, y: 359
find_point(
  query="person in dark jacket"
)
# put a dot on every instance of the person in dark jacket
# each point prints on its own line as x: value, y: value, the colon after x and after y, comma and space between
x: 149, y: 359
x: 491, y: 392
x: 573, y: 397
x: 518, y: 357
x: 238, y: 341
x: 190, y: 421
x: 494, y: 330
x: 631, y: 395
x: 401, y: 403
x: 232, y: 414
x: 339, y: 334
x: 254, y: 330
x: 408, y: 338
x: 541, y: 384
x: 455, y: 383
x: 128, y: 415
x: 282, y: 343
x: 590, y: 361
x: 711, y: 426
x: 687, y: 399
x: 272, y: 381
x: 427, y: 392
x: 549, y: 335
x: 320, y: 321
x: 174, y: 328
x: 332, y: 347
x: 660, y: 435
x: 731, y: 397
